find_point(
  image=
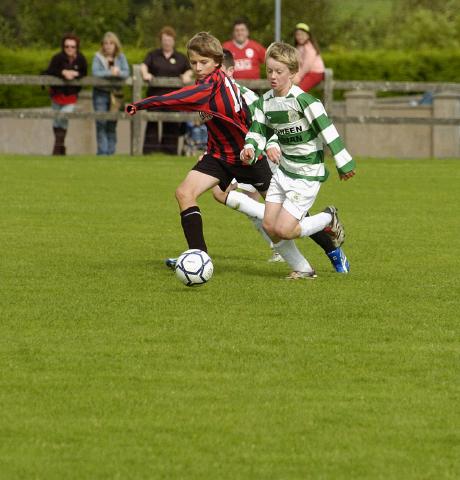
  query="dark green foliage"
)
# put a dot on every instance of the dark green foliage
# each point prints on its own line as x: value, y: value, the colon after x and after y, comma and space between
x: 88, y: 19
x: 433, y: 66
x: 26, y: 62
x: 355, y: 24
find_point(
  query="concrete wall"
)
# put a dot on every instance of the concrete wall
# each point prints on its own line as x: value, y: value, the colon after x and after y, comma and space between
x: 34, y: 136
x: 401, y: 140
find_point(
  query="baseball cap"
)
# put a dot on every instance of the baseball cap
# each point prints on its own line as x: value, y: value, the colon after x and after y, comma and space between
x: 303, y: 26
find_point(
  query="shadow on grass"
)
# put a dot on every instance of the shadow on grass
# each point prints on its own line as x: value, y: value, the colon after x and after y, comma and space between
x: 240, y: 265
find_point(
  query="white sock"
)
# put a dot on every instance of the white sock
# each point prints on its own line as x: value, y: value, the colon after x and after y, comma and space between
x: 258, y: 224
x: 315, y: 223
x: 289, y: 251
x: 244, y: 204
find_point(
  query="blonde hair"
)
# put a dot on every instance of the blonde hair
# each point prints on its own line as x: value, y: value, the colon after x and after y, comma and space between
x: 206, y: 45
x: 111, y: 37
x: 284, y: 53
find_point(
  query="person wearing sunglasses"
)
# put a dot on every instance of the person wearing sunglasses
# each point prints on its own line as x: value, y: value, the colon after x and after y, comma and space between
x: 68, y: 64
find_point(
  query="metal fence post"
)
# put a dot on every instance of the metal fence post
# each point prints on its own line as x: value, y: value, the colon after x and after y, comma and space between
x: 136, y: 120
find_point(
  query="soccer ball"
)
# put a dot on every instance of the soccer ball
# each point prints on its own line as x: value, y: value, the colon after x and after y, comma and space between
x: 194, y: 267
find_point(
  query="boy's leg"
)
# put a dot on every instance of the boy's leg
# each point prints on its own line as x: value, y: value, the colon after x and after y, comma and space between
x: 187, y: 193
x: 312, y: 224
x: 328, y: 221
x: 254, y: 210
x: 298, y: 199
x: 286, y: 248
x: 244, y: 204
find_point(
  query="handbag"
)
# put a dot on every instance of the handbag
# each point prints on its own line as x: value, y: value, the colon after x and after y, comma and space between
x: 116, y: 100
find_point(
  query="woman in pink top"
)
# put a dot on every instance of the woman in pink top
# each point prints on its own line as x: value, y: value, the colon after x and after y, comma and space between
x: 311, y: 65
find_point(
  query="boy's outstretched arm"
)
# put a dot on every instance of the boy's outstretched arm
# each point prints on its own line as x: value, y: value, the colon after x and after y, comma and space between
x: 323, y: 126
x: 190, y: 98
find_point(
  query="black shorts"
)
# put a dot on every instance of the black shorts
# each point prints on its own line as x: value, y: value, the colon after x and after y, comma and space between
x: 258, y: 174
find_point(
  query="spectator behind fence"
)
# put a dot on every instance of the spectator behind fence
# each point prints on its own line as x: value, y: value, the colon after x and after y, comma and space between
x: 164, y: 62
x: 109, y: 62
x: 69, y: 64
x: 249, y: 55
x: 311, y: 65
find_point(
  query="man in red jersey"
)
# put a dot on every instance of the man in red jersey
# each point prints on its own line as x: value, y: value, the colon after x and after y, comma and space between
x: 249, y: 55
x: 218, y: 98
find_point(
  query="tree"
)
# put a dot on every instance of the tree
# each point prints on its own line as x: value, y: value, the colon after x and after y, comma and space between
x: 43, y: 22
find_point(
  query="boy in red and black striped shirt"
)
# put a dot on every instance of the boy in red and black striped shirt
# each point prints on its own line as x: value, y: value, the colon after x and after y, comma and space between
x: 219, y: 100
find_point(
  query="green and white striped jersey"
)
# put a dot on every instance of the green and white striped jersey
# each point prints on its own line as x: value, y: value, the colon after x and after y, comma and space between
x: 299, y: 126
x: 249, y: 96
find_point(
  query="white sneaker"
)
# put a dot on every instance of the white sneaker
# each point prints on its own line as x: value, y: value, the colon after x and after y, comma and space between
x: 275, y: 258
x: 302, y: 275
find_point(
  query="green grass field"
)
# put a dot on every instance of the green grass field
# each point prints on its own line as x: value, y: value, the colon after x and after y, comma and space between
x: 110, y: 368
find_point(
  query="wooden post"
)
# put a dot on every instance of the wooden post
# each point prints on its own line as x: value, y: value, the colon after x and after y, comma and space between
x: 136, y: 120
x: 328, y: 90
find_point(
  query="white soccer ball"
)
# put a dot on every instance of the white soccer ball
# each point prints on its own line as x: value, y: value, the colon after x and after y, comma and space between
x: 194, y: 267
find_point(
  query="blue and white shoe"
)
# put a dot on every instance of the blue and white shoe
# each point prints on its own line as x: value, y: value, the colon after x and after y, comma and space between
x: 339, y: 260
x: 171, y: 263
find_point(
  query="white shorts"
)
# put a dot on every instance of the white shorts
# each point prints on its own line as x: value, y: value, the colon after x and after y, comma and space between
x: 247, y: 187
x: 297, y: 195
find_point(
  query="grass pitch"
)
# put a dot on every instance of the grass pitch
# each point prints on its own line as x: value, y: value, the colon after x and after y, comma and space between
x: 110, y: 368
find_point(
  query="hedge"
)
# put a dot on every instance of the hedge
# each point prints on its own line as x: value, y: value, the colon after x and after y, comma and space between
x: 422, y: 66
x: 436, y: 66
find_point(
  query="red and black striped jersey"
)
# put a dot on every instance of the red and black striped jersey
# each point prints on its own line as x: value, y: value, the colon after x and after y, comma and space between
x: 218, y: 96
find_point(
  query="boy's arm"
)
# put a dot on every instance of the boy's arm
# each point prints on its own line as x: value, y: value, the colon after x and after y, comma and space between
x: 323, y: 126
x: 190, y: 98
x: 256, y: 138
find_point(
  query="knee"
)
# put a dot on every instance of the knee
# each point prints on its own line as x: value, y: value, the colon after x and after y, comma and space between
x: 282, y: 232
x: 180, y: 193
x: 219, y: 195
x: 183, y: 195
x: 269, y: 227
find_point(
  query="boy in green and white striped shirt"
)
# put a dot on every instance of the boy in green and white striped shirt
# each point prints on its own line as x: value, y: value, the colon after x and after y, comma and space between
x: 292, y: 127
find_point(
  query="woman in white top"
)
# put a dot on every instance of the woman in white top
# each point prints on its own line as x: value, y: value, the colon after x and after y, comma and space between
x: 311, y: 65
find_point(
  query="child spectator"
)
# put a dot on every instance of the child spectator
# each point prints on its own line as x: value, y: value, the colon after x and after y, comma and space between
x: 196, y: 138
x: 311, y: 65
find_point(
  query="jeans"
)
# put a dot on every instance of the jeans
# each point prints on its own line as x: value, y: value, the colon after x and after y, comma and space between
x: 106, y: 130
x: 62, y: 122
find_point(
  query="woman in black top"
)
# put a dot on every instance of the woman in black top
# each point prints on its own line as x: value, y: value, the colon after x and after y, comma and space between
x: 164, y: 62
x: 68, y: 64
